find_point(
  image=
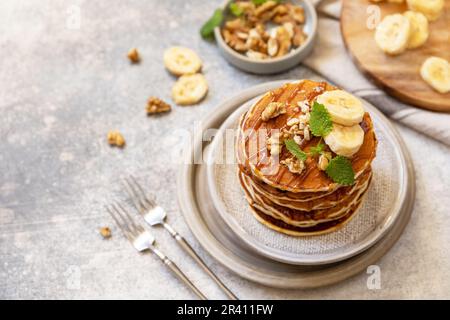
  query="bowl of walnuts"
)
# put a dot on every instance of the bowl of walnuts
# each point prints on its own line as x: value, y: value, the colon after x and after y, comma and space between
x: 266, y: 36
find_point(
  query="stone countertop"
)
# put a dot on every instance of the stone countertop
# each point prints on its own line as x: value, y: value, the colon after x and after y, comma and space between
x: 65, y: 82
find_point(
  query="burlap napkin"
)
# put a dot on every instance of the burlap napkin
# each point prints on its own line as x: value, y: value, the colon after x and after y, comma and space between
x: 331, y: 60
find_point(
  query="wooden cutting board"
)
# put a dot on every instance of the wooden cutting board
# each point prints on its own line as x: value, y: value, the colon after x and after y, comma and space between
x: 398, y: 75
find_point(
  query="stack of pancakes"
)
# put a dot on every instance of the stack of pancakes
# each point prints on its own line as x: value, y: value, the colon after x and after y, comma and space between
x: 299, y: 204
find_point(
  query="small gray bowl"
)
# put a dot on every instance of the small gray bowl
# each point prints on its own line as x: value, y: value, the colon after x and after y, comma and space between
x: 273, y: 65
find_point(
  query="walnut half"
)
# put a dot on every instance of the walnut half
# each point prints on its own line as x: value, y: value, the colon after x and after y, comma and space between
x: 273, y: 110
x: 133, y: 55
x: 156, y: 105
x: 115, y: 138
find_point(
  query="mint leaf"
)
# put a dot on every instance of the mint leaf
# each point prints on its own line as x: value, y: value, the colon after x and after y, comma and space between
x: 294, y: 148
x: 207, y: 30
x: 340, y: 171
x: 258, y: 2
x: 320, y: 120
x: 236, y: 9
x: 317, y: 149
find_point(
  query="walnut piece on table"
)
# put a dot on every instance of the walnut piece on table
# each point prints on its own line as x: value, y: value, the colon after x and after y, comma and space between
x: 133, y: 55
x: 156, y: 105
x: 115, y: 138
x: 105, y: 232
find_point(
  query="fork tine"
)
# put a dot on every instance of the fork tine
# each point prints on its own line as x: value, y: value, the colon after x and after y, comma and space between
x: 121, y: 226
x: 138, y: 228
x: 125, y: 221
x: 150, y: 201
x: 135, y: 198
x: 134, y: 194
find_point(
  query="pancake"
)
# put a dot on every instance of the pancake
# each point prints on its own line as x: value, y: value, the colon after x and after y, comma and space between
x: 328, y: 202
x: 300, y: 217
x: 316, y: 230
x: 255, y: 131
x: 298, y: 203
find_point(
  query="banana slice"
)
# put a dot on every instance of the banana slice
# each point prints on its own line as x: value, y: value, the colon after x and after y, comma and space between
x: 436, y: 72
x: 418, y: 34
x: 392, y: 34
x: 189, y: 89
x: 345, y: 109
x: 345, y: 141
x: 180, y: 61
x: 432, y: 9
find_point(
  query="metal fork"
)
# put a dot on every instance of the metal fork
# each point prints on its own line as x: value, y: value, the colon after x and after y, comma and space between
x: 155, y: 215
x: 142, y: 240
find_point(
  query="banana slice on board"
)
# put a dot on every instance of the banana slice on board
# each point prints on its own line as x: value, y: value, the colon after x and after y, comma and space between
x: 432, y: 9
x: 181, y: 61
x: 436, y: 72
x: 189, y: 89
x: 345, y: 141
x: 418, y: 34
x: 344, y: 108
x: 392, y: 34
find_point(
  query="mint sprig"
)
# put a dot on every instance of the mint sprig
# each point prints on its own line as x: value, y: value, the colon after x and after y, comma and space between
x: 340, y: 171
x: 258, y: 2
x: 318, y: 149
x: 207, y: 30
x: 235, y: 9
x: 294, y: 148
x: 320, y: 120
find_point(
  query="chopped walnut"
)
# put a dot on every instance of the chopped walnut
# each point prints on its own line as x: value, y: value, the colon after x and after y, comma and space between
x: 133, y: 55
x: 299, y: 36
x: 272, y: 110
x: 248, y: 34
x: 304, y: 106
x: 264, y: 8
x: 304, y: 118
x: 234, y: 41
x: 105, y: 232
x: 297, y: 12
x: 306, y: 133
x: 284, y: 41
x: 298, y: 139
x: 115, y: 138
x: 292, y: 121
x: 324, y: 160
x: 274, y: 144
x: 294, y: 164
x: 289, y: 26
x: 256, y: 55
x: 272, y: 47
x: 156, y: 105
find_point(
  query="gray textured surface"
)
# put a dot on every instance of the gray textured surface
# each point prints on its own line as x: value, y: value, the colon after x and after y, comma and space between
x: 61, y: 90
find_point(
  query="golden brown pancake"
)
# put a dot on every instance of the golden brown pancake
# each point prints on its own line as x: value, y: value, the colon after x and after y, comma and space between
x: 301, y: 217
x: 328, y: 201
x: 298, y: 204
x: 255, y: 132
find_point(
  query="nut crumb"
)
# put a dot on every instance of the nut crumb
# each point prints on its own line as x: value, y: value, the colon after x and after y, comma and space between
x: 294, y: 164
x: 324, y: 160
x: 133, y: 55
x: 115, y: 138
x: 273, y: 110
x: 105, y: 232
x: 156, y: 105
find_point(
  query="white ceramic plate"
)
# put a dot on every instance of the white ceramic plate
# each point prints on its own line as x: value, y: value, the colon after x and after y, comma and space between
x: 222, y: 242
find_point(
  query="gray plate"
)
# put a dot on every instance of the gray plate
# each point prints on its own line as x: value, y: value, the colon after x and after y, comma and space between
x: 221, y: 241
x: 381, y: 206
